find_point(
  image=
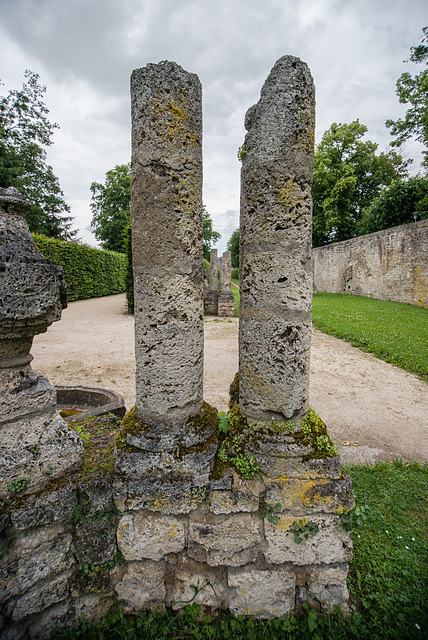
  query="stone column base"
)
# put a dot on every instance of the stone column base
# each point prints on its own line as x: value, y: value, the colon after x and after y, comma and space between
x: 211, y: 303
x: 226, y: 305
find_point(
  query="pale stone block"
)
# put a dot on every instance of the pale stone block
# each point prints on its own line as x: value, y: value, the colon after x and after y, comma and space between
x: 40, y: 597
x: 233, y: 542
x: 330, y: 545
x: 264, y: 593
x: 150, y: 537
x: 33, y: 560
x: 143, y: 586
x: 232, y: 502
x: 190, y: 578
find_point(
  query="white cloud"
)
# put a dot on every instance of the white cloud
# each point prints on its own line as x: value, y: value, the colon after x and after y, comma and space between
x: 85, y: 50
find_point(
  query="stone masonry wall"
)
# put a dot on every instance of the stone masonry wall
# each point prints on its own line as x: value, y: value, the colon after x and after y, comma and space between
x: 389, y: 265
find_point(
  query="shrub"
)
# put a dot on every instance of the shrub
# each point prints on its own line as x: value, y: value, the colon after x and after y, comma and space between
x: 235, y: 274
x: 88, y: 272
x: 129, y: 277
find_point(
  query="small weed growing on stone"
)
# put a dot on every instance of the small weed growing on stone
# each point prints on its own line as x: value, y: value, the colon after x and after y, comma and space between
x: 323, y: 444
x: 18, y: 485
x: 354, y: 519
x: 270, y: 512
x: 90, y: 570
x: 49, y: 470
x: 242, y: 151
x: 301, y: 530
x: 247, y: 466
x: 223, y: 422
x: 34, y: 449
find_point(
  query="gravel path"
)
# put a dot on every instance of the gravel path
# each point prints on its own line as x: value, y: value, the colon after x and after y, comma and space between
x: 373, y: 410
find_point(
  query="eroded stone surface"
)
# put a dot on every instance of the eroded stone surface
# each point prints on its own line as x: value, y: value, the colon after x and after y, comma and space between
x: 233, y: 542
x: 150, y: 537
x: 275, y: 249
x: 166, y: 211
x: 208, y: 583
x: 265, y: 593
x: 330, y: 545
x: 143, y: 586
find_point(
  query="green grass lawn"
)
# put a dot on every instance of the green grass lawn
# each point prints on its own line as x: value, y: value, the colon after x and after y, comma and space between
x: 388, y: 578
x: 395, y: 332
x: 236, y: 295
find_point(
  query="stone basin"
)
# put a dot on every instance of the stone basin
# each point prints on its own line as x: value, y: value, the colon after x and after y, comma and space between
x: 80, y: 403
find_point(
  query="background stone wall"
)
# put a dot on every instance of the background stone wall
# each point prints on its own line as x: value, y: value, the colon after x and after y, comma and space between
x: 389, y: 265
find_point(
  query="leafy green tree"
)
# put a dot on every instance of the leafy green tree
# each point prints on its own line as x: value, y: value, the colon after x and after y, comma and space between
x: 111, y: 207
x: 25, y: 131
x: 348, y: 175
x: 209, y: 235
x: 413, y: 90
x: 233, y: 247
x: 401, y: 202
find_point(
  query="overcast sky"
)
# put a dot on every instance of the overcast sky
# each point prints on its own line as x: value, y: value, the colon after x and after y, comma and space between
x: 85, y: 50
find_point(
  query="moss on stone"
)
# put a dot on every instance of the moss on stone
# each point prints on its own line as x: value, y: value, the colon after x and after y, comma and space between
x: 234, y: 392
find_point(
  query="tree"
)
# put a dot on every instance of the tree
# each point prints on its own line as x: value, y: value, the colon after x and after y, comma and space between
x: 111, y: 207
x: 348, y: 175
x: 210, y: 236
x: 233, y: 247
x: 413, y: 91
x: 25, y: 131
x: 402, y: 202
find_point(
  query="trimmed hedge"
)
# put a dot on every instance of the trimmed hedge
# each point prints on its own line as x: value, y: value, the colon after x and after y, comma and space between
x: 235, y: 274
x: 88, y: 272
x: 129, y: 277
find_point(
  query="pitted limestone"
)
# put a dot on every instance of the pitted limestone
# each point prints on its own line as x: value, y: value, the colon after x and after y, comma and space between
x: 275, y: 249
x: 166, y: 211
x: 142, y: 537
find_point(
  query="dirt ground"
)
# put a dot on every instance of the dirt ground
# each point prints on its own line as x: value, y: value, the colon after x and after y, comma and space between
x: 373, y: 410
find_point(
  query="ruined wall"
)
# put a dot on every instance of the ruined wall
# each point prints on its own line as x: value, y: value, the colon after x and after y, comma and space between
x: 165, y: 508
x: 389, y: 265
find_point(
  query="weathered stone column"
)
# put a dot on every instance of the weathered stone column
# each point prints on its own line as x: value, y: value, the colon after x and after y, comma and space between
x: 275, y: 248
x: 166, y: 211
x: 226, y: 301
x: 211, y: 299
x: 36, y: 445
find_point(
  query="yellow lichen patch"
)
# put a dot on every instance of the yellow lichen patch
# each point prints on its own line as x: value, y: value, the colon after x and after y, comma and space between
x: 290, y: 194
x: 285, y: 522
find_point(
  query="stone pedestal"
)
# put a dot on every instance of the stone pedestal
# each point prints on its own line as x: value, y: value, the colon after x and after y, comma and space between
x: 166, y: 211
x: 211, y: 298
x: 36, y: 445
x: 275, y: 246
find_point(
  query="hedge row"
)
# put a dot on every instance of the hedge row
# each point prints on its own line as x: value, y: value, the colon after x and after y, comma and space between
x: 88, y: 272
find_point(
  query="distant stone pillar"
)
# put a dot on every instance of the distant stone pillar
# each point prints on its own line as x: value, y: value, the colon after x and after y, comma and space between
x: 166, y: 211
x: 211, y: 299
x: 275, y: 247
x: 226, y: 300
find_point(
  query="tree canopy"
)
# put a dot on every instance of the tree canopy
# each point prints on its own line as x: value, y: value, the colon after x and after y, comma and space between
x: 111, y: 211
x: 111, y: 207
x: 210, y: 236
x: 348, y: 175
x: 25, y: 131
x: 233, y: 247
x: 400, y: 203
x: 413, y: 91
